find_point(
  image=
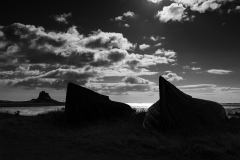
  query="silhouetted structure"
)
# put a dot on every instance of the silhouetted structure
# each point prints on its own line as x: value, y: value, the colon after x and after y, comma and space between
x: 176, y: 110
x: 84, y: 105
x: 44, y: 98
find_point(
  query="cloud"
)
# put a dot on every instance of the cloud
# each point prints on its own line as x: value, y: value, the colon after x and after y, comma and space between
x: 158, y: 44
x: 62, y: 18
x: 106, y: 40
x: 119, y: 18
x: 166, y: 53
x: 121, y: 72
x: 236, y: 9
x: 127, y: 85
x: 177, y: 10
x: 144, y: 46
x: 155, y: 1
x: 192, y: 68
x: 129, y: 14
x: 172, y: 77
x: 126, y: 25
x: 219, y: 71
x: 195, y: 68
x: 202, y: 5
x: 154, y: 38
x: 31, y: 57
x: 138, y: 61
x: 211, y: 89
x: 56, y: 79
x: 136, y: 80
x: 174, y: 12
x: 207, y: 5
x: 197, y: 86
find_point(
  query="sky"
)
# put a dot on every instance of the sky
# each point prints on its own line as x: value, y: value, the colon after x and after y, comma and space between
x: 120, y: 48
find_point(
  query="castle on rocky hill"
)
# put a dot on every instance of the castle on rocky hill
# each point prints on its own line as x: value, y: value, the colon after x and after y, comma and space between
x: 44, y: 98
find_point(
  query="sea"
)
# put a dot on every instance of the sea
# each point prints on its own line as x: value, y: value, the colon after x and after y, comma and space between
x: 33, y: 111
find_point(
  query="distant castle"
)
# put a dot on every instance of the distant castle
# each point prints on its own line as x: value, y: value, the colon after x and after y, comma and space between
x: 43, y: 98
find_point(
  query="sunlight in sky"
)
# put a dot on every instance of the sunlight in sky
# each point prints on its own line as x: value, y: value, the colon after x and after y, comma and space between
x: 155, y: 1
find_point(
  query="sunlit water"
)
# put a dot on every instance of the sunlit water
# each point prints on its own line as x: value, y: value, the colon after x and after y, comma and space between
x: 32, y: 111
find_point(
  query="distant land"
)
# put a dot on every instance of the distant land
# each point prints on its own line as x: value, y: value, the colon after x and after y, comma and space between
x: 43, y: 100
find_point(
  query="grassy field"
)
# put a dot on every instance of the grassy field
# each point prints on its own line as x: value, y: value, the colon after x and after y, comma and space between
x: 47, y: 136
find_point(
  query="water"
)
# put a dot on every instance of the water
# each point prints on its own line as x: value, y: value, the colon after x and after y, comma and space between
x: 32, y: 111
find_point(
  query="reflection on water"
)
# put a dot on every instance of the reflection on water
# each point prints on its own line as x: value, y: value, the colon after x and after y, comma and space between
x: 31, y: 111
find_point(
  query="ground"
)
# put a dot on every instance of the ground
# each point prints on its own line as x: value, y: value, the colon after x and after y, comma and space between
x: 47, y: 136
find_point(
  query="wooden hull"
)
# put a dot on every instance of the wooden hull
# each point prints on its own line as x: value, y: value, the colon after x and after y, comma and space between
x: 176, y: 110
x: 84, y: 105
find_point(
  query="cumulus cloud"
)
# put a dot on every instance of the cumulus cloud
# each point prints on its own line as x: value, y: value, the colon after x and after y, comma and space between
x: 137, y: 60
x: 127, y: 85
x: 106, y: 40
x: 119, y: 18
x: 202, y: 5
x: 154, y: 38
x: 136, y: 80
x: 129, y: 14
x: 172, y: 77
x: 144, y: 46
x: 174, y: 12
x: 32, y: 57
x: 219, y: 71
x: 177, y: 10
x: 62, y: 18
x: 166, y: 53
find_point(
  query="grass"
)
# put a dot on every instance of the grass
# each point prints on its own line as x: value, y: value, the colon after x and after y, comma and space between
x: 47, y: 136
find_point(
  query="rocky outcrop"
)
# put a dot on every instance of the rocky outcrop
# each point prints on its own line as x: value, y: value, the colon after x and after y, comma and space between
x: 44, y: 98
x: 176, y: 110
x: 84, y: 105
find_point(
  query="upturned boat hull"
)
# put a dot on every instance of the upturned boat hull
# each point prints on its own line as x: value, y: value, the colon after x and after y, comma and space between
x: 176, y: 110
